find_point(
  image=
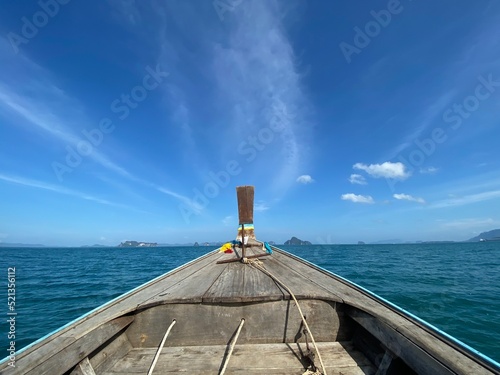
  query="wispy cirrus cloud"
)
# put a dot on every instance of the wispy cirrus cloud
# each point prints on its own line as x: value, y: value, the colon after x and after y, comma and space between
x: 477, y: 54
x: 468, y: 223
x: 193, y: 205
x: 467, y: 199
x: 59, y: 190
x: 33, y: 95
x: 258, y: 79
x: 261, y: 206
x: 251, y: 85
x: 408, y: 197
x: 429, y: 116
x: 41, y: 115
x: 357, y: 198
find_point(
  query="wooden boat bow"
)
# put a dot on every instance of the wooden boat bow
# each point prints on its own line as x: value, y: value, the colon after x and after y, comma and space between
x: 209, y: 298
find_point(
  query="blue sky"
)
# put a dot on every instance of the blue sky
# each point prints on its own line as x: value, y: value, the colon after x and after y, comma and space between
x: 355, y: 121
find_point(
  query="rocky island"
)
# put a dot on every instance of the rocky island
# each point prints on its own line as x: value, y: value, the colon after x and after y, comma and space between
x: 296, y: 241
x: 492, y: 235
x: 137, y: 244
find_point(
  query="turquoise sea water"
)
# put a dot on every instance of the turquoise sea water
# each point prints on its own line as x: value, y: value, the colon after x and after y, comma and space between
x: 455, y: 287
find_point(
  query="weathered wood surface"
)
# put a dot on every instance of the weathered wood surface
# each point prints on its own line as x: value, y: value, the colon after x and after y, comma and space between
x: 242, y: 283
x: 204, y: 324
x: 83, y: 368
x: 339, y: 358
x: 64, y: 358
x: 301, y: 282
x: 112, y: 352
x: 401, y: 346
x: 209, y: 282
x: 245, y: 195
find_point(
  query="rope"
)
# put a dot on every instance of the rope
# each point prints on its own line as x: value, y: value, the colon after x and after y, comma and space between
x: 233, y: 343
x: 259, y: 266
x: 160, y: 348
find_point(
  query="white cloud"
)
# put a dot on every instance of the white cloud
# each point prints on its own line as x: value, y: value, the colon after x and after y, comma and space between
x: 357, y: 198
x: 407, y: 197
x: 429, y: 170
x: 386, y: 169
x: 305, y: 179
x: 357, y: 179
x: 261, y: 206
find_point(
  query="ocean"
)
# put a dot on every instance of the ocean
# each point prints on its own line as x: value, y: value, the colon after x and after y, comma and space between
x: 453, y: 286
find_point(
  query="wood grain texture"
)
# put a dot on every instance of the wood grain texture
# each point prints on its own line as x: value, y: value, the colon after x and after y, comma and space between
x: 72, y: 354
x: 83, y: 368
x: 112, y: 352
x: 339, y: 358
x: 265, y: 322
x: 245, y: 195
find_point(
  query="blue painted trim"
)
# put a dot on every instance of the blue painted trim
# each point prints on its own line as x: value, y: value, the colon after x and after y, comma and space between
x: 106, y: 304
x: 403, y: 312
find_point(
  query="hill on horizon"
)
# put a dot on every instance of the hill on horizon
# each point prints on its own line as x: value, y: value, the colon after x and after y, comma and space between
x: 495, y: 233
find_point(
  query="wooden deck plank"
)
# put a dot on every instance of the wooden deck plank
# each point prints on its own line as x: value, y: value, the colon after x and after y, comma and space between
x: 350, y: 296
x: 189, y: 289
x: 301, y: 284
x: 187, y: 285
x: 400, y: 345
x: 242, y: 283
x: 70, y: 355
x: 114, y: 351
x: 83, y: 368
x: 339, y: 358
x: 446, y: 355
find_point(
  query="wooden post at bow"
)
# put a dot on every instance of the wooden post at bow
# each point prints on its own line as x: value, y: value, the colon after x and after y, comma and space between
x: 245, y: 196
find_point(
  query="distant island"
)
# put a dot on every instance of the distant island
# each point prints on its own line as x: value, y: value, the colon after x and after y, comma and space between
x: 137, y: 244
x: 296, y: 241
x: 8, y: 244
x: 387, y: 242
x: 492, y: 235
